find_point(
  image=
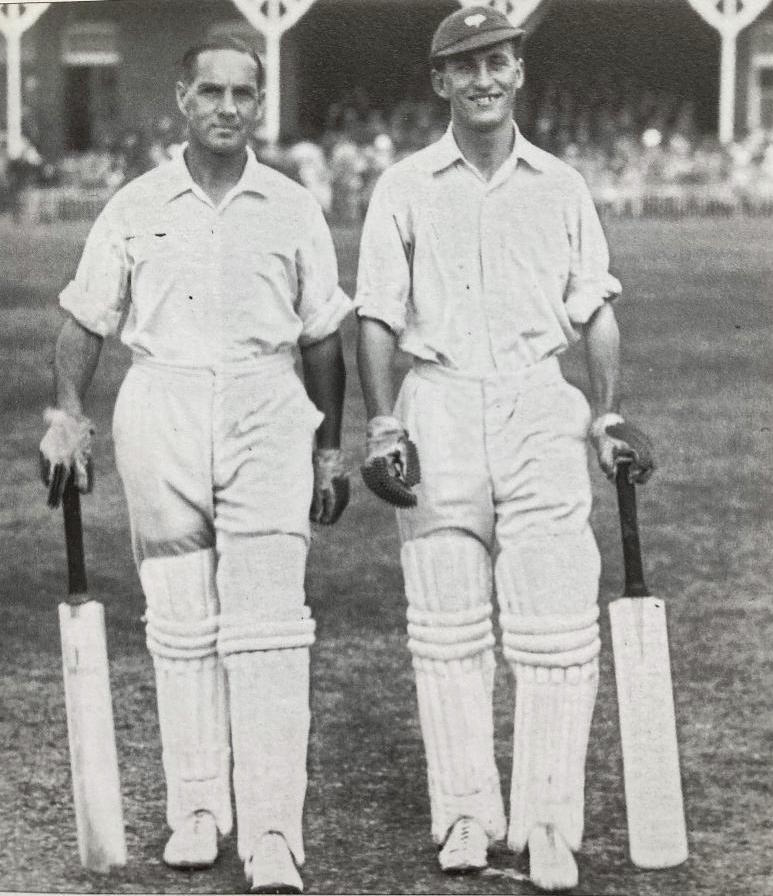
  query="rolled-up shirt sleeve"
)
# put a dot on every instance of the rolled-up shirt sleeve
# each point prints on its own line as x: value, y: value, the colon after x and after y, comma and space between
x: 384, y: 271
x: 322, y: 304
x: 590, y: 284
x: 97, y: 295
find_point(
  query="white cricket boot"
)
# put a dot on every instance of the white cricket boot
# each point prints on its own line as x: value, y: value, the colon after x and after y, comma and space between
x: 551, y: 863
x: 194, y: 844
x: 465, y: 848
x: 271, y: 868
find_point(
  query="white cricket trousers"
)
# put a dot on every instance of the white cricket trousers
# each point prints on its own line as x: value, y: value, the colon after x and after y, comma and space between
x: 503, y: 508
x: 216, y: 466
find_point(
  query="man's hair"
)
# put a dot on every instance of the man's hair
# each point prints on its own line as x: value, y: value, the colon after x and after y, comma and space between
x: 190, y: 60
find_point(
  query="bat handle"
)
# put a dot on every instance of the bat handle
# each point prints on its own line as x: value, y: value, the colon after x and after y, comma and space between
x: 629, y: 529
x: 73, y: 536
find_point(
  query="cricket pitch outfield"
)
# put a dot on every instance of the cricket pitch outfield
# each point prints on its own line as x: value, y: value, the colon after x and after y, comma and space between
x: 697, y: 327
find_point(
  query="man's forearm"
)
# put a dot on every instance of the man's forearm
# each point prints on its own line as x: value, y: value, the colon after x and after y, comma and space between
x: 376, y: 349
x: 76, y: 359
x: 602, y: 348
x: 324, y: 373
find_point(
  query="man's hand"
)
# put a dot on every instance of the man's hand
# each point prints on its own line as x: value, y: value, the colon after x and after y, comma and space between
x: 66, y: 449
x: 331, y: 486
x: 391, y: 467
x: 616, y: 441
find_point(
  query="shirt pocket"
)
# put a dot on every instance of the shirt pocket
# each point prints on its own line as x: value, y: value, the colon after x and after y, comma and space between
x: 169, y: 262
x: 144, y: 246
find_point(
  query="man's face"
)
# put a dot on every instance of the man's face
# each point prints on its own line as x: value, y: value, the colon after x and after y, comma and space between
x: 480, y: 86
x: 223, y: 103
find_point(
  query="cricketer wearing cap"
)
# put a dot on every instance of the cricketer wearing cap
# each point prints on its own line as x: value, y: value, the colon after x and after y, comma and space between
x: 483, y: 258
x: 222, y: 267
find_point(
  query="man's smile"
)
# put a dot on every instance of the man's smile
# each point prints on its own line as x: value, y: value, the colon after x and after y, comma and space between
x: 484, y: 100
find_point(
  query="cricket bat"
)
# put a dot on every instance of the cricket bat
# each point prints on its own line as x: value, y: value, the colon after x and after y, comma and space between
x: 93, y: 758
x: 657, y: 834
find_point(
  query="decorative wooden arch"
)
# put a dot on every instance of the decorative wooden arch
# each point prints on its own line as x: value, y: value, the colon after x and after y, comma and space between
x: 15, y: 19
x: 729, y: 17
x: 273, y: 18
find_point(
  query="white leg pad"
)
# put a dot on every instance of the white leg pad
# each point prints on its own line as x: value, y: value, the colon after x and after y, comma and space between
x: 553, y: 711
x: 181, y: 629
x: 551, y: 641
x: 448, y: 584
x: 265, y: 635
x: 270, y: 719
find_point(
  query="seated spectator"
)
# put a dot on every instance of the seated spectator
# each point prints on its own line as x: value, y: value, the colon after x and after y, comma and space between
x: 310, y: 169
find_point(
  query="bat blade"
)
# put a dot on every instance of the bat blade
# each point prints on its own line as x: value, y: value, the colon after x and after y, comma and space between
x: 90, y: 729
x: 91, y: 733
x: 653, y: 789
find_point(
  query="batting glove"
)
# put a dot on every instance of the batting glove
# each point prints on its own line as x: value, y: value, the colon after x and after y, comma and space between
x: 66, y: 450
x: 619, y: 442
x: 391, y: 467
x: 331, y: 486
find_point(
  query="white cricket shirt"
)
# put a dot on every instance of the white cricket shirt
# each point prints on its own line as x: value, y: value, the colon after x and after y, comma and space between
x: 209, y: 286
x: 482, y: 276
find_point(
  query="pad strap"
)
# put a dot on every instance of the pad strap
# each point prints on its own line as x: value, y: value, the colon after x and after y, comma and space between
x: 245, y: 635
x: 179, y: 640
x: 532, y: 641
x: 450, y: 636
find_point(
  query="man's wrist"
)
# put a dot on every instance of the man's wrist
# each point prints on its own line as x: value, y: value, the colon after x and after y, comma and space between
x: 329, y: 463
x: 384, y: 424
x: 599, y: 426
x: 60, y: 415
x: 327, y: 451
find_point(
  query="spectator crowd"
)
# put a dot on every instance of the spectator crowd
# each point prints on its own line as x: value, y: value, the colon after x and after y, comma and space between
x: 641, y: 151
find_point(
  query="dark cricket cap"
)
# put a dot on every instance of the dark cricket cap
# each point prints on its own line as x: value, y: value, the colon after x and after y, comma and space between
x: 471, y: 28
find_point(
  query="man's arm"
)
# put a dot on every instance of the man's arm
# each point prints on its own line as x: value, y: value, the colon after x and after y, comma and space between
x: 602, y: 351
x: 324, y: 373
x: 391, y: 467
x: 76, y: 359
x: 376, y: 349
x: 613, y: 438
x: 66, y: 446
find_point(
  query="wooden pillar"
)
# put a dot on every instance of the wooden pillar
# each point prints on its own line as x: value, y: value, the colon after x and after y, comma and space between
x: 729, y: 17
x: 13, y: 94
x: 273, y: 115
x: 272, y: 18
x: 15, y: 19
x: 727, y: 76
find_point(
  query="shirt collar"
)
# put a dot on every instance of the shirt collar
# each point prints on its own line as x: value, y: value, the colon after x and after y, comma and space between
x: 178, y: 178
x: 445, y: 152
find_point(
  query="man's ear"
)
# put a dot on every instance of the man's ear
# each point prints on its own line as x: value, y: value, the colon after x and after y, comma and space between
x: 261, y: 104
x: 181, y: 92
x: 521, y: 73
x: 438, y: 80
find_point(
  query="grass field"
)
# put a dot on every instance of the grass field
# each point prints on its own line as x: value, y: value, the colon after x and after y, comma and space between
x: 698, y: 329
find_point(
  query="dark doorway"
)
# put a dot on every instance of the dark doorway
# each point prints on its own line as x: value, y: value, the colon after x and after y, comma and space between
x: 91, y: 106
x: 644, y: 53
x: 371, y: 54
x: 76, y: 104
